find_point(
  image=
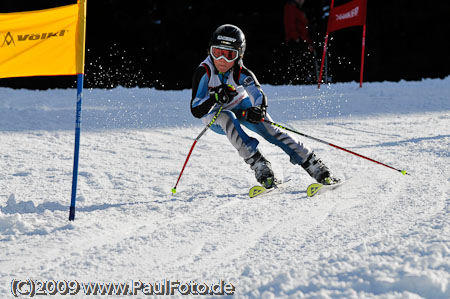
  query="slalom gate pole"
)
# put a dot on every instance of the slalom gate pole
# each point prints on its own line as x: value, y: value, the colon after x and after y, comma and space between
x: 80, y: 79
x: 316, y: 67
x: 333, y: 145
x: 362, y: 55
x: 323, y: 61
x: 174, y: 189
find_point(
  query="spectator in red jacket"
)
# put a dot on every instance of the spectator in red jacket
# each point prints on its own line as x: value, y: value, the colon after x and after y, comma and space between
x: 296, y: 22
x: 298, y: 42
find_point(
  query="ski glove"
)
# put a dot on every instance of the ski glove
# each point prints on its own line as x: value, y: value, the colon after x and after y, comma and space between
x: 223, y: 94
x: 255, y: 114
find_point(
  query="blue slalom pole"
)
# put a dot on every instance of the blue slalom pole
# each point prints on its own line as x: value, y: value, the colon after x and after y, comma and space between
x: 80, y: 79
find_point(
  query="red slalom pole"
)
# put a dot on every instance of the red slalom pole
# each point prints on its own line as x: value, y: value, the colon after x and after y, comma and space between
x: 362, y: 55
x: 324, y: 48
x: 333, y: 145
x: 174, y: 189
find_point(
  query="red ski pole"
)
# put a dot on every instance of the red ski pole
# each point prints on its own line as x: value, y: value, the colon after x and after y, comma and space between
x: 174, y: 189
x: 333, y: 145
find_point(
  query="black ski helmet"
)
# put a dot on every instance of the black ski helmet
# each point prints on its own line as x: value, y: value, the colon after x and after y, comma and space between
x: 229, y: 36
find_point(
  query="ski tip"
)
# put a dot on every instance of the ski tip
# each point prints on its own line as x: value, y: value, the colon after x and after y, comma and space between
x: 256, y: 190
x: 404, y: 172
x: 174, y: 190
x: 313, y: 189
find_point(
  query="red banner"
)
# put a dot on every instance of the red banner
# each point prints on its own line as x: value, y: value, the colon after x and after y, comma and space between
x: 347, y: 15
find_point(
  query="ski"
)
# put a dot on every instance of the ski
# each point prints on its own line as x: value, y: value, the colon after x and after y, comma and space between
x: 260, y: 190
x: 318, y: 188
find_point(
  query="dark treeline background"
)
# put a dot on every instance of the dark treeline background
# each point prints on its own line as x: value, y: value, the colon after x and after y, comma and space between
x: 159, y: 43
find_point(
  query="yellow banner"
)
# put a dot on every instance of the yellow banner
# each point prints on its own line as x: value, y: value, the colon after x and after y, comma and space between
x: 46, y: 42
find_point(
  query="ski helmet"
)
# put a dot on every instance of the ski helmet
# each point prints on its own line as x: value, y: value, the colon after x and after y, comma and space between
x: 229, y: 36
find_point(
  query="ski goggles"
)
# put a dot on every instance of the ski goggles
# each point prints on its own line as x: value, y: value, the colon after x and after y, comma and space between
x: 226, y: 53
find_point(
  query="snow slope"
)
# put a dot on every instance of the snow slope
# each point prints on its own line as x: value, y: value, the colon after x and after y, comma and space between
x: 382, y: 235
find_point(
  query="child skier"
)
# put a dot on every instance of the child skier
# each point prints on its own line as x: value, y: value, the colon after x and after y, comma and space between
x: 223, y: 80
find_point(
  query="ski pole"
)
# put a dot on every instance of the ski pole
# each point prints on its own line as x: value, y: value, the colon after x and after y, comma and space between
x: 333, y: 145
x: 174, y: 189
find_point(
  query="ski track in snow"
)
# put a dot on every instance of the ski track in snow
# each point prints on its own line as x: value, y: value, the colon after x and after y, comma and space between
x: 382, y: 235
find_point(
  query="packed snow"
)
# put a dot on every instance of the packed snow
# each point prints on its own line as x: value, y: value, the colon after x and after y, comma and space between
x: 381, y: 235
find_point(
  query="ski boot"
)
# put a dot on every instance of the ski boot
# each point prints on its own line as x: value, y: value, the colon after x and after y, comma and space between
x: 319, y: 171
x: 263, y: 170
